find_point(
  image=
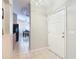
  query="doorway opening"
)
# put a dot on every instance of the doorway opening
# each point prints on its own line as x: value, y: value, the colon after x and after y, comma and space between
x: 21, y: 26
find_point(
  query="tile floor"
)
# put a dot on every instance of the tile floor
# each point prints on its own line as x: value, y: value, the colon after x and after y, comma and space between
x: 21, y: 51
x: 41, y: 54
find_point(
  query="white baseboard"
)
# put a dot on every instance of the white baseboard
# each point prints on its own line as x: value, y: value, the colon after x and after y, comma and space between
x: 55, y: 53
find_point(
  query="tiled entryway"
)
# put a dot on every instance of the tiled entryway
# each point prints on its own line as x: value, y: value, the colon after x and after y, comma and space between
x: 21, y: 51
x: 39, y: 54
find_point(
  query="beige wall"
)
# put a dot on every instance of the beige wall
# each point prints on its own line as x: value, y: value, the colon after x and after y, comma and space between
x: 7, y: 46
x: 6, y: 18
x: 38, y: 28
x: 3, y: 24
x: 11, y: 19
x: 71, y: 31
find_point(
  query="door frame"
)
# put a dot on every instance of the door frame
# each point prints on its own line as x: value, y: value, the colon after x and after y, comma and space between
x: 65, y: 33
x: 30, y: 24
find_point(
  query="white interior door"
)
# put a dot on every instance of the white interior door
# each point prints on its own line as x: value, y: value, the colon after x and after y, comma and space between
x: 57, y: 33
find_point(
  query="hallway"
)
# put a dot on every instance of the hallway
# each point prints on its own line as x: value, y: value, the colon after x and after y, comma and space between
x: 50, y: 25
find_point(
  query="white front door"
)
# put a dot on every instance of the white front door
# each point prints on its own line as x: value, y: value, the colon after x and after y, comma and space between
x: 57, y: 33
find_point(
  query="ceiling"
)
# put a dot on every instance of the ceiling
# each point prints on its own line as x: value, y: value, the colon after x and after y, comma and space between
x: 21, y: 7
x: 47, y: 4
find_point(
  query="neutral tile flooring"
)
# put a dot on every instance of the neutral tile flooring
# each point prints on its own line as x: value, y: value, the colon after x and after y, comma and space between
x: 21, y: 51
x: 41, y: 54
x: 21, y: 47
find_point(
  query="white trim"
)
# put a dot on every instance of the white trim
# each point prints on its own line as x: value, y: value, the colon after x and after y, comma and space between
x: 57, y: 10
x: 55, y: 53
x: 65, y: 55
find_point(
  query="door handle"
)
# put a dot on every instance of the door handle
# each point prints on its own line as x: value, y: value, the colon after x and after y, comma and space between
x: 62, y: 36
